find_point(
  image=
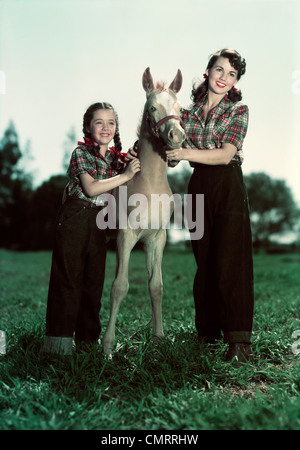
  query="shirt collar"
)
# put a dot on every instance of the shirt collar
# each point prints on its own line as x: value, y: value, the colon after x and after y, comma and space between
x: 222, y: 106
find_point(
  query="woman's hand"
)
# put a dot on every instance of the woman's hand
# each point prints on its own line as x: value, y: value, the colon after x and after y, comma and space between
x: 132, y: 168
x: 177, y: 154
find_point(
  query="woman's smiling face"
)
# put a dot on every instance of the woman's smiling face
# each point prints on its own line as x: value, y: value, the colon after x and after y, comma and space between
x: 222, y: 76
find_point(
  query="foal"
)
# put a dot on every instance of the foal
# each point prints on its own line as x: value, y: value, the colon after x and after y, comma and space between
x: 161, y: 128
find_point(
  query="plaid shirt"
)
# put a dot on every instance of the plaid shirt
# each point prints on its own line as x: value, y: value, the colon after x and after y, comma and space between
x: 82, y: 160
x: 226, y: 123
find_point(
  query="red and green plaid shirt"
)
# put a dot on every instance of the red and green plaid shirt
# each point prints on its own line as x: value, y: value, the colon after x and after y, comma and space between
x: 99, y: 167
x: 226, y: 123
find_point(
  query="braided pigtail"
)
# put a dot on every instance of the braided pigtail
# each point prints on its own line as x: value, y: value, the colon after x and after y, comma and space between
x: 118, y: 163
x: 117, y: 139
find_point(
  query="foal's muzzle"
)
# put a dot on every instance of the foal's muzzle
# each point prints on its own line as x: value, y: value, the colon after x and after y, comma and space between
x: 175, y: 135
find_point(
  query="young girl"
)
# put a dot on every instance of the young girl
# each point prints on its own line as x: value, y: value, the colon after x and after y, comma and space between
x: 216, y: 125
x: 79, y: 252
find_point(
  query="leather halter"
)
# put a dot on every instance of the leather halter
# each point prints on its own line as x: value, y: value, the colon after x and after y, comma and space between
x: 154, y: 127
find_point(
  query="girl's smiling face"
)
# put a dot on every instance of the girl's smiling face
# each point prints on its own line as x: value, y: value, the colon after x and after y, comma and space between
x: 222, y: 76
x: 103, y: 126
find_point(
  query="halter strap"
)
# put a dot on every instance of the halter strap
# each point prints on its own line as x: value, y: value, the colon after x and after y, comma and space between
x: 155, y: 126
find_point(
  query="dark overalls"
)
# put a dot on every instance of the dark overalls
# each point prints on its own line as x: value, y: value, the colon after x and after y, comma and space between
x: 223, y: 285
x: 77, y: 277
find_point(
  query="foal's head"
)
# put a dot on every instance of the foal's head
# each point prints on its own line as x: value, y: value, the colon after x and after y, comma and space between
x: 163, y: 110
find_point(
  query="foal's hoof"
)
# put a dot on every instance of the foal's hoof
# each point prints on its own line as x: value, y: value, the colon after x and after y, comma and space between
x: 107, y: 350
x: 158, y: 339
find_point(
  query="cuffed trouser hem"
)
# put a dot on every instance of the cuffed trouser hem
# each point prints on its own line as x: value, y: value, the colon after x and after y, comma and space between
x: 238, y: 336
x: 58, y: 345
x: 208, y: 339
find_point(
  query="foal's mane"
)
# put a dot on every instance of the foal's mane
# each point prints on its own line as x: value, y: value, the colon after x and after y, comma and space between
x: 161, y: 85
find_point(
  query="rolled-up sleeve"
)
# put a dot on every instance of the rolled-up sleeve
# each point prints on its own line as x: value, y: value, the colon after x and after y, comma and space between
x: 81, y: 162
x: 235, y: 133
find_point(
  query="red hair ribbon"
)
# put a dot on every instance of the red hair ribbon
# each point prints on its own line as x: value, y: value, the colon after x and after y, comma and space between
x: 91, y: 142
x: 87, y: 141
x: 119, y: 154
x: 205, y: 76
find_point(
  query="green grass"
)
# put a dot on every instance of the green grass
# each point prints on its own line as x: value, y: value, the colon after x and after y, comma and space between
x: 177, y: 384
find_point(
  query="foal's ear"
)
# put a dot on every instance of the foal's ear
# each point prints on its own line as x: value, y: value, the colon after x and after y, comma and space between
x: 176, y: 84
x: 148, y: 84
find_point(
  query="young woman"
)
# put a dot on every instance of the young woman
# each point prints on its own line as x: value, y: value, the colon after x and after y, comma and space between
x: 216, y: 125
x: 79, y: 252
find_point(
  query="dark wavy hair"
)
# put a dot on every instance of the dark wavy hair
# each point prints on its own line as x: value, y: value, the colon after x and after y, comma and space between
x: 235, y: 59
x: 88, y: 116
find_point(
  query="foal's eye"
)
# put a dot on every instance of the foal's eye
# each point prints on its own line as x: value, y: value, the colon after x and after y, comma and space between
x: 152, y: 108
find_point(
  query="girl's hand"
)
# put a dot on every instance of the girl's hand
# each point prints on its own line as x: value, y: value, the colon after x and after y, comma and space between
x: 176, y: 154
x: 131, y: 154
x: 132, y: 168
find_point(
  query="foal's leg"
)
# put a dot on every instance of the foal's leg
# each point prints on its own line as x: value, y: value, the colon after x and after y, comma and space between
x: 154, y: 248
x: 125, y: 241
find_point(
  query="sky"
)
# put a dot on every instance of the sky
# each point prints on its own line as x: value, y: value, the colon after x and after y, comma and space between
x: 57, y: 57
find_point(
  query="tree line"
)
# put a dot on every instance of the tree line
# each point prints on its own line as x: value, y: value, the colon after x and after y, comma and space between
x: 27, y: 214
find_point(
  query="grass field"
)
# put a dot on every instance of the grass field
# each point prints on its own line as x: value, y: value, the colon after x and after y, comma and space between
x: 176, y: 385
